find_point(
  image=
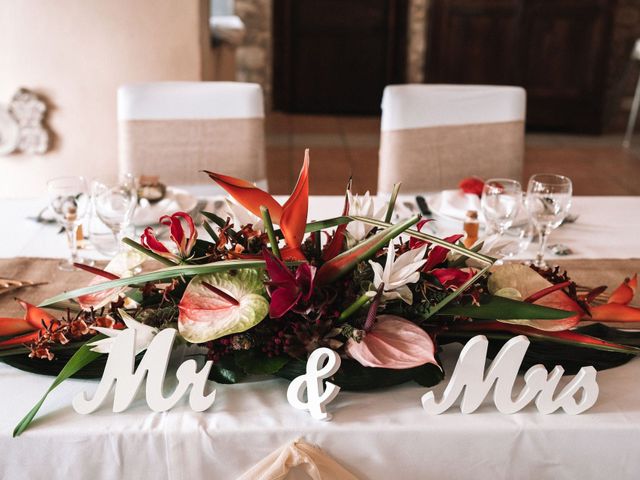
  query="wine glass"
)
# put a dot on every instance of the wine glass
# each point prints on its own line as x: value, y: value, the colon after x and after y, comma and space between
x: 114, y: 202
x: 548, y: 202
x: 500, y: 203
x: 69, y: 201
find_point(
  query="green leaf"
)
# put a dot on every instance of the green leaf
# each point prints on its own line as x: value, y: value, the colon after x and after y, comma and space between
x: 498, y: 308
x: 162, y: 274
x: 392, y: 202
x: 226, y: 371
x: 254, y: 363
x: 136, y: 246
x: 83, y: 357
x: 346, y: 261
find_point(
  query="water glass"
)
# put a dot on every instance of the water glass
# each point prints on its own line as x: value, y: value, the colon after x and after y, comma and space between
x: 500, y: 203
x: 548, y: 202
x: 114, y: 202
x: 69, y: 202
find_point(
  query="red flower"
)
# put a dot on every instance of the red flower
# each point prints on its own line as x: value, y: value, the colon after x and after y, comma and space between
x: 285, y: 288
x: 292, y: 216
x: 437, y: 254
x: 472, y: 185
x: 184, y: 243
x: 451, y: 277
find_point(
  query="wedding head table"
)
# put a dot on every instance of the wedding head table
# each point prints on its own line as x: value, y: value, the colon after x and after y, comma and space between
x: 379, y: 435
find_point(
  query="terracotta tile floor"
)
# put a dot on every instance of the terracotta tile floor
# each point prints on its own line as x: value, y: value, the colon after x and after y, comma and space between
x: 344, y: 146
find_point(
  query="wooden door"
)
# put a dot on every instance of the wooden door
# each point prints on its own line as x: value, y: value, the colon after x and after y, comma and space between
x: 336, y: 56
x: 556, y: 49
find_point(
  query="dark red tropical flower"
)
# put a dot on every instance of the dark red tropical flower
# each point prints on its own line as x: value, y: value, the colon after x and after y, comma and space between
x: 451, y: 277
x: 286, y: 288
x: 473, y: 185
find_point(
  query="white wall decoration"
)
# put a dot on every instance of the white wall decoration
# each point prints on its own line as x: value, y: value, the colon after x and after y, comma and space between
x: 21, y: 125
x: 501, y: 375
x: 318, y: 394
x: 120, y: 370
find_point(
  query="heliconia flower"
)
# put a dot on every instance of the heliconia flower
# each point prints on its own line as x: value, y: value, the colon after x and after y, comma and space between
x: 393, y: 342
x: 184, y: 242
x: 398, y: 273
x: 473, y: 185
x: 25, y: 329
x: 625, y: 292
x: 219, y: 304
x: 240, y: 216
x: 292, y: 216
x: 451, y: 277
x: 144, y: 335
x: 287, y: 289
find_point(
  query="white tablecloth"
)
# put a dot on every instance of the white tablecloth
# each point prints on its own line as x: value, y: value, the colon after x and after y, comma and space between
x: 607, y: 227
x: 378, y: 435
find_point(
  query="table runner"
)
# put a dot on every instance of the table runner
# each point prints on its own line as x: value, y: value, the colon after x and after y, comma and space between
x: 585, y: 272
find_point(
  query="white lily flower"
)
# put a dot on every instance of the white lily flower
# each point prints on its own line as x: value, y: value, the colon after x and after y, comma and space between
x: 397, y: 274
x: 240, y: 216
x: 144, y: 335
x: 362, y: 206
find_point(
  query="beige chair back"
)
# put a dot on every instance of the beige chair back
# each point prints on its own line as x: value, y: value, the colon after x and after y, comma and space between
x: 176, y: 129
x: 432, y: 136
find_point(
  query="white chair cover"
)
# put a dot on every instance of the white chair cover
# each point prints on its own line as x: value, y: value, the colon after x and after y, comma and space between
x: 176, y: 129
x: 432, y: 136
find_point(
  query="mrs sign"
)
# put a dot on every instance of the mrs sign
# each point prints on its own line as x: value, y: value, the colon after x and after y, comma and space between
x: 121, y: 374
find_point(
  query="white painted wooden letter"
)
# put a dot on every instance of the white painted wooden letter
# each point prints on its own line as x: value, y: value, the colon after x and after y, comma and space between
x: 120, y: 370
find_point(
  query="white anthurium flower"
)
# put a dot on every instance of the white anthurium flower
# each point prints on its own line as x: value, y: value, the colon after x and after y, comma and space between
x: 240, y: 216
x: 362, y: 206
x: 144, y: 335
x: 398, y: 273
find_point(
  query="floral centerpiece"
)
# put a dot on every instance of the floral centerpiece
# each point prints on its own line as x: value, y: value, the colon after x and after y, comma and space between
x: 257, y: 299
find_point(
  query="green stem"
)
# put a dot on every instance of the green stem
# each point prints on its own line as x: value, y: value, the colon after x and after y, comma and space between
x: 354, y: 307
x: 392, y: 202
x: 136, y: 246
x: 268, y: 226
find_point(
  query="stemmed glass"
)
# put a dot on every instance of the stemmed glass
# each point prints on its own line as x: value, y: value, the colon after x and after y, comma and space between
x: 548, y: 202
x: 69, y: 201
x: 500, y: 203
x: 114, y: 202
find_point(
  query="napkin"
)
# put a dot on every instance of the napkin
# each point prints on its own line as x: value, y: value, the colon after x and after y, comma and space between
x: 456, y: 203
x: 313, y: 461
x: 148, y: 213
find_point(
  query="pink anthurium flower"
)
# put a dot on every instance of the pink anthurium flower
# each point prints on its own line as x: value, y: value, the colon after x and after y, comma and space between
x: 292, y: 216
x: 393, y: 342
x: 286, y: 288
x: 184, y: 242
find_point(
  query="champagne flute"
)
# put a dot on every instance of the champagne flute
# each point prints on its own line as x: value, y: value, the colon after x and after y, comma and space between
x: 548, y: 203
x: 114, y: 202
x: 69, y: 201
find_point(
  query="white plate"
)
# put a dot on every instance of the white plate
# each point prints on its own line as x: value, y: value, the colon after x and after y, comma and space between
x: 175, y: 200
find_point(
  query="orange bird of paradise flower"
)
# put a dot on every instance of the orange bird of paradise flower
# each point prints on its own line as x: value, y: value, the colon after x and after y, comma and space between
x: 292, y: 216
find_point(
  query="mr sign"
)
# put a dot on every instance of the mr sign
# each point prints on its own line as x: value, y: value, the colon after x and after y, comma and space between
x: 501, y: 375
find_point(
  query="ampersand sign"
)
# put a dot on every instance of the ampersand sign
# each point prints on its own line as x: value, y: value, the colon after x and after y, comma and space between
x: 318, y: 393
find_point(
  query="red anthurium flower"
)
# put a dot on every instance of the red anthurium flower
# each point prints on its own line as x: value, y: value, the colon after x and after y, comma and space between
x: 185, y: 243
x: 473, y: 185
x: 451, y: 277
x: 292, y: 216
x: 286, y: 288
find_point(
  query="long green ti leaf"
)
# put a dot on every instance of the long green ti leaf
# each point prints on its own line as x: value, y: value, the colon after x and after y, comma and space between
x: 501, y: 308
x: 346, y: 261
x: 83, y: 357
x: 392, y: 202
x: 429, y: 238
x: 162, y: 274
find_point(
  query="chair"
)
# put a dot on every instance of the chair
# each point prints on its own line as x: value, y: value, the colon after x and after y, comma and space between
x: 432, y: 136
x: 176, y: 129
